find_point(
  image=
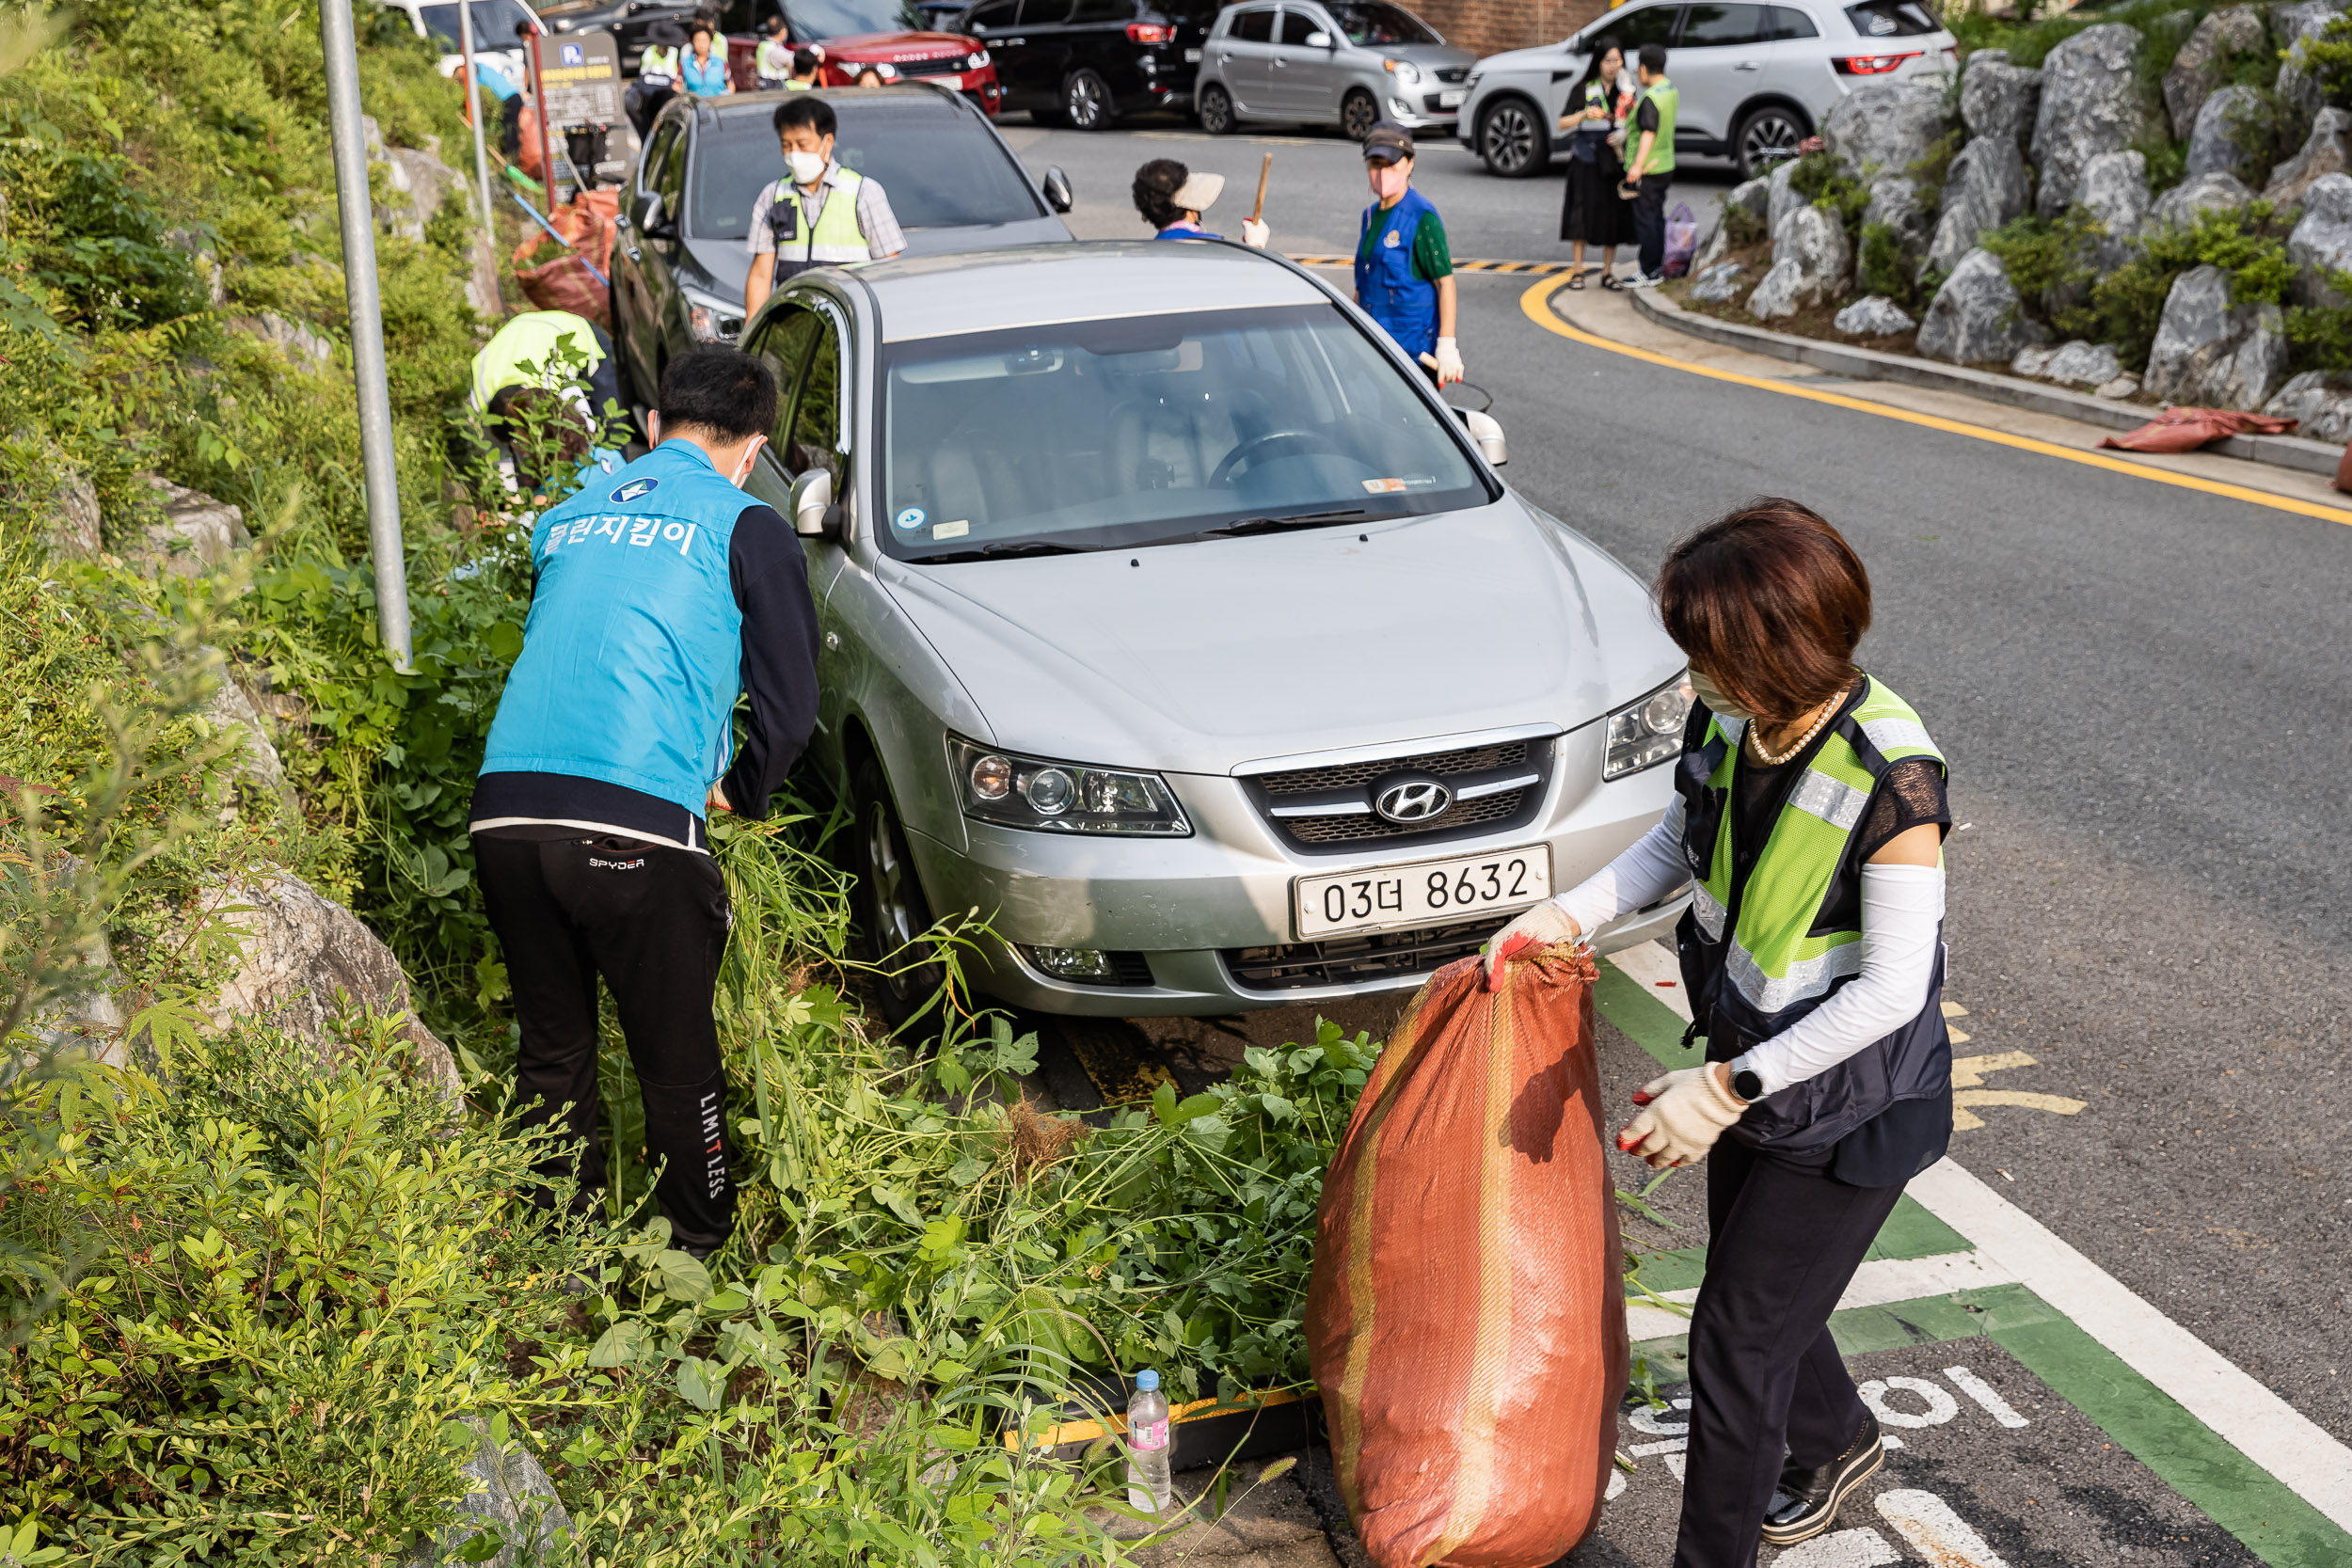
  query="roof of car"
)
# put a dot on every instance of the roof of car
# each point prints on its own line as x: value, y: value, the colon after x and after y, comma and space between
x: 987, y: 290
x: 905, y: 98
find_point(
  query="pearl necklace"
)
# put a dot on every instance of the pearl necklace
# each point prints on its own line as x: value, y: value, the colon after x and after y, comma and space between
x: 1755, y: 738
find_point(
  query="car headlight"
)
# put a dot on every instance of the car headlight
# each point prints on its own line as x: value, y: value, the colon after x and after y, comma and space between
x: 888, y: 71
x: 1405, y: 71
x: 977, y: 60
x: 1018, y: 791
x: 711, y: 319
x: 1648, y: 731
x: 1471, y: 80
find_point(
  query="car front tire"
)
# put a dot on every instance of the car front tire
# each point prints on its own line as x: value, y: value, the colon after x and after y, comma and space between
x: 892, y: 913
x: 1766, y: 136
x: 1358, y: 114
x: 1085, y: 100
x: 1217, y: 110
x: 1513, y: 140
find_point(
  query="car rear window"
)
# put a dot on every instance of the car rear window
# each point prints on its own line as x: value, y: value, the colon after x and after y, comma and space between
x: 1374, y: 25
x: 1791, y: 24
x: 939, y: 170
x: 1891, y: 19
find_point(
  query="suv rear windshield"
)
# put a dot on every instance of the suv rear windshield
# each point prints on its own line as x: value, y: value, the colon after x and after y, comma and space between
x: 938, y: 168
x: 1891, y: 19
x: 1374, y: 25
x: 1107, y: 434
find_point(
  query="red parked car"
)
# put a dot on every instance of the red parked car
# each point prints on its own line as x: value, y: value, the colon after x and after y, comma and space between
x: 893, y: 36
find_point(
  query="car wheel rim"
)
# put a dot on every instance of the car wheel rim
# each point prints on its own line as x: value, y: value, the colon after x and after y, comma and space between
x: 1770, y: 140
x: 893, y: 918
x: 1510, y: 139
x: 1359, y: 117
x: 1212, y: 110
x: 1086, y: 103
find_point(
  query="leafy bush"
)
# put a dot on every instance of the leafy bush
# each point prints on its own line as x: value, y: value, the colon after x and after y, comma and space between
x: 2329, y: 60
x: 1884, y: 268
x: 2321, y: 335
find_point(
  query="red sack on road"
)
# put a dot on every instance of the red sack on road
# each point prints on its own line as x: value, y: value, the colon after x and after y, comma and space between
x: 1465, y: 1314
x: 2187, y: 429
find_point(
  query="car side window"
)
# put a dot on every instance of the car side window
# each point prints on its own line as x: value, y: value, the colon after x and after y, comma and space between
x: 817, y: 415
x: 1297, y: 24
x: 670, y: 178
x: 1044, y: 13
x: 1253, y: 27
x: 784, y: 341
x: 995, y: 16
x: 1706, y: 26
x: 1633, y: 29
x: 1788, y: 22
x: 649, y: 168
x: 1098, y: 12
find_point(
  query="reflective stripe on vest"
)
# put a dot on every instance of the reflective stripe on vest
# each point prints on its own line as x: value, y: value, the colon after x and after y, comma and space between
x: 1662, y: 150
x: 835, y: 236
x: 658, y: 62
x: 774, y: 59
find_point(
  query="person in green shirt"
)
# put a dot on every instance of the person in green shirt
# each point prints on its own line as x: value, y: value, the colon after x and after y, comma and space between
x: 1403, y: 271
x: 1649, y: 168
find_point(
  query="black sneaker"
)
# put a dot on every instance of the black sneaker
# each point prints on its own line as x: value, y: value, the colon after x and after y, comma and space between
x: 1806, y: 1501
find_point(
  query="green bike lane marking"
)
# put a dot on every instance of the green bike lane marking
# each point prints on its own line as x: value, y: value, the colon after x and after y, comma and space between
x: 2297, y: 1519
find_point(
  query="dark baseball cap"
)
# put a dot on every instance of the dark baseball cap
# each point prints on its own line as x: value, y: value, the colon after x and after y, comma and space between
x: 1387, y: 143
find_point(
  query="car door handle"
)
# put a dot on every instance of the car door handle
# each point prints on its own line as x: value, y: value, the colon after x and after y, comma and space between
x: 1280, y: 64
x: 1748, y: 65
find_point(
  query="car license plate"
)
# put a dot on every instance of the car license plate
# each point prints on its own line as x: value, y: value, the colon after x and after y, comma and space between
x: 1192, y: 56
x: 1420, y: 893
x: 953, y: 83
x: 1452, y: 98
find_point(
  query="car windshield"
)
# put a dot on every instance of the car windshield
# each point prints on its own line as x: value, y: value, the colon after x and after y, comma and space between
x: 939, y: 170
x: 1891, y: 19
x: 495, y: 23
x: 1376, y: 25
x: 1145, y: 429
x: 836, y: 19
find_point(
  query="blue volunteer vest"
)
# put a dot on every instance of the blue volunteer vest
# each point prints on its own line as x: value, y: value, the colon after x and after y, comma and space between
x: 632, y: 656
x: 1386, y: 286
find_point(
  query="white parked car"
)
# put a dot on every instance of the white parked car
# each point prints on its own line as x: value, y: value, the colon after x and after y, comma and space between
x: 1755, y: 80
x: 495, y: 26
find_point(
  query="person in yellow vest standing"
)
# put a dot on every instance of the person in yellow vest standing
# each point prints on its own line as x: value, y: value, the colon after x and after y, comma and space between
x: 658, y: 72
x: 772, y: 60
x: 1649, y: 168
x: 819, y: 214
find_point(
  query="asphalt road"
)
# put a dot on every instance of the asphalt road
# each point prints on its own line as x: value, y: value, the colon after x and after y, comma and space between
x: 2139, y: 689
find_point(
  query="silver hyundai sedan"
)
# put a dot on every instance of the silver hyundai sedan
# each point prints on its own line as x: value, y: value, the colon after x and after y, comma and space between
x: 1174, y: 626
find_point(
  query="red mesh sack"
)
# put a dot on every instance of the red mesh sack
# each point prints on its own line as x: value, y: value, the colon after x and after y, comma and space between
x: 566, y: 284
x: 2187, y: 429
x: 1466, y: 1315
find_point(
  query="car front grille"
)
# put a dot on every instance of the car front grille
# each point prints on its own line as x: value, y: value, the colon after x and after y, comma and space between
x: 1453, y: 75
x: 945, y: 65
x: 1355, y: 961
x: 1504, y: 783
x: 1435, y: 104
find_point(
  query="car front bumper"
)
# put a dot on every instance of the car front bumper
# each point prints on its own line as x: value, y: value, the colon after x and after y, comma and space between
x: 1200, y: 910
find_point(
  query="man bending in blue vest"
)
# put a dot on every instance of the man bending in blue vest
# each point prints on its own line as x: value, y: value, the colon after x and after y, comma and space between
x: 663, y: 593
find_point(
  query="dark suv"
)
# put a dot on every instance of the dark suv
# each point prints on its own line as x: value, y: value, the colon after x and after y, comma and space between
x: 679, y: 262
x: 1086, y: 62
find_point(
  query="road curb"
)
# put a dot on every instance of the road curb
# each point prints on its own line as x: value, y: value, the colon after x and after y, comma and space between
x: 1866, y: 364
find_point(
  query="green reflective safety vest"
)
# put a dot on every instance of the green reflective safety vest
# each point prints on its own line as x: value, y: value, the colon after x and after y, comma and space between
x: 772, y: 59
x: 1775, y: 929
x: 1662, y: 152
x: 833, y: 237
x: 658, y: 62
x: 538, y: 348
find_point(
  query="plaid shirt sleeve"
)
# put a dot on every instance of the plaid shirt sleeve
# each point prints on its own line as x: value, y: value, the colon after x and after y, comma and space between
x: 762, y: 239
x: 880, y: 225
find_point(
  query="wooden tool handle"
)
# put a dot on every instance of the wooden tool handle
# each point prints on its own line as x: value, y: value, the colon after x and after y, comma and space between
x: 1257, y: 214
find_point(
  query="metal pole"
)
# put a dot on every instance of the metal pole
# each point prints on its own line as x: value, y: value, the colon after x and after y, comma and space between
x: 367, y: 327
x: 473, y: 108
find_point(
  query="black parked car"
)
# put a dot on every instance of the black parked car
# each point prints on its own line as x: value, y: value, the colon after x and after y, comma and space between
x: 1086, y: 62
x: 679, y: 262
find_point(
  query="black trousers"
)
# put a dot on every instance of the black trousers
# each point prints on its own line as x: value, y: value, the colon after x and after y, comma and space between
x: 1649, y: 225
x: 653, y: 923
x: 1765, y: 1375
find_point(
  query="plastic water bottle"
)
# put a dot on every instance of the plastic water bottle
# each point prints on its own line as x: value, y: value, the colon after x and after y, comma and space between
x: 1148, y: 1486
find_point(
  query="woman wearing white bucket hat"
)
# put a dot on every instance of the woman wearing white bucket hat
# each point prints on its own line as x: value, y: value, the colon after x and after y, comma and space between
x: 1171, y: 199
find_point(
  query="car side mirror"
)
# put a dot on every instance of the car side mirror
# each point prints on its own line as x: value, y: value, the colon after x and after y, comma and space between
x: 1486, y: 430
x: 814, y: 516
x: 653, y: 221
x: 1058, y: 193
x: 1319, y: 39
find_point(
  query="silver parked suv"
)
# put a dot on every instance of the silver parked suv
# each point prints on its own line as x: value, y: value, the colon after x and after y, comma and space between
x: 1755, y: 80
x: 1350, y: 63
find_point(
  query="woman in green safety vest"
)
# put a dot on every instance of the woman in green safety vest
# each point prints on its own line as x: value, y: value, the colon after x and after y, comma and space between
x: 1808, y: 820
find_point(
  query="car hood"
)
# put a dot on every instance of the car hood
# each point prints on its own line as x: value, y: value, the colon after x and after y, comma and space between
x: 1196, y: 657
x: 726, y: 264
x: 894, y: 48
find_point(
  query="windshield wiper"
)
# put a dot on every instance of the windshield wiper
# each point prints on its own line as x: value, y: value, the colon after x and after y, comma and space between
x: 999, y: 552
x: 1276, y: 525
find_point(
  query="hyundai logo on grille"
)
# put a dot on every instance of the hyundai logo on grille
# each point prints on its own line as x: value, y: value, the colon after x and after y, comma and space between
x: 1414, y: 798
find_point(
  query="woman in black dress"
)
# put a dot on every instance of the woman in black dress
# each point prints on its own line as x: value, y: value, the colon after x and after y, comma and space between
x: 1594, y: 213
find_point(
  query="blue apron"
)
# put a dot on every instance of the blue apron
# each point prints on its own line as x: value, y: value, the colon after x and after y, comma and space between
x: 1386, y: 286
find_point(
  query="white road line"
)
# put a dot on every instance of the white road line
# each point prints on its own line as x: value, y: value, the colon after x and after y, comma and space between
x: 2257, y: 1422
x: 1986, y: 1395
x: 1877, y: 1283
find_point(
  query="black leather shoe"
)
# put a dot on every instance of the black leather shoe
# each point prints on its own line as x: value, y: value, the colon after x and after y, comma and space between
x: 1806, y: 1501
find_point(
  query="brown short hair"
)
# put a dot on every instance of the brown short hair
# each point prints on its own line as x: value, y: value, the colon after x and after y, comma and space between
x: 1769, y: 601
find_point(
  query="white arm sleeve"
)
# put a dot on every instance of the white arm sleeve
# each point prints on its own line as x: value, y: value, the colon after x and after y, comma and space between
x: 1647, y: 872
x: 1902, y: 908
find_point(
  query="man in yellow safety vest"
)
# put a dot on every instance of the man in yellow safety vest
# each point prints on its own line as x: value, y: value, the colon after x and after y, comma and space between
x: 819, y: 213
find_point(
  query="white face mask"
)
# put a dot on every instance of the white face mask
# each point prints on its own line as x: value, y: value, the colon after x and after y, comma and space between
x: 1717, y: 704
x: 805, y: 167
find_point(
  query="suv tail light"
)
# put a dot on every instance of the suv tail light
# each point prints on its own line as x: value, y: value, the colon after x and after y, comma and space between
x: 1151, y: 32
x: 1872, y: 65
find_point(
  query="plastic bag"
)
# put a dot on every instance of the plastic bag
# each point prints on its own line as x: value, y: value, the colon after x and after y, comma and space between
x: 1682, y: 239
x: 2187, y: 429
x: 1465, y: 1314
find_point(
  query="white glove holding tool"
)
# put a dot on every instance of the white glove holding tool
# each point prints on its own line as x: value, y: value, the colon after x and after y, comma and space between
x: 1255, y: 235
x: 1682, y: 1116
x: 1447, y: 362
x: 1543, y: 926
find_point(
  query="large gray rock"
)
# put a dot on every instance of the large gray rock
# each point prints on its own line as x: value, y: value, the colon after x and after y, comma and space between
x: 196, y: 534
x: 1718, y: 284
x: 2090, y: 104
x: 1811, y: 262
x: 2197, y: 69
x: 2322, y: 241
x: 1782, y: 196
x: 2213, y: 142
x: 2185, y: 203
x: 2319, y: 403
x: 1998, y: 99
x: 2211, y: 353
x: 2076, y: 363
x: 2293, y: 27
x: 231, y: 712
x: 1753, y: 196
x: 57, y: 503
x: 1875, y: 317
x: 1987, y: 187
x: 1974, y: 318
x: 506, y: 1492
x: 2327, y: 150
x: 299, y: 954
x: 78, y: 1008
x: 1895, y: 202
x: 2114, y: 192
x: 1885, y: 128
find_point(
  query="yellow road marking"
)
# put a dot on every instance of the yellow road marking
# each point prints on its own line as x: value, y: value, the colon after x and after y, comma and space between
x: 1968, y: 1071
x: 1963, y: 1118
x: 1536, y: 305
x: 1120, y: 1075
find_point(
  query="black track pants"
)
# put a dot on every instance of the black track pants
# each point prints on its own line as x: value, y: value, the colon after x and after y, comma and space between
x: 1764, y: 1371
x: 1649, y: 230
x: 653, y: 921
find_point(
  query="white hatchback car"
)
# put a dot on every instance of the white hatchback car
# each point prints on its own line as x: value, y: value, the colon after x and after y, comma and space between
x: 495, y: 26
x: 1755, y: 80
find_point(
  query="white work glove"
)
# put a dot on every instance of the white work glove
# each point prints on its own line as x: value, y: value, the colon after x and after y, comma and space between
x: 1682, y: 1116
x: 1448, y: 363
x: 1255, y: 235
x: 1544, y: 925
